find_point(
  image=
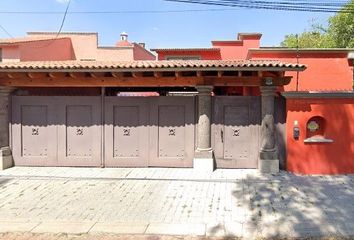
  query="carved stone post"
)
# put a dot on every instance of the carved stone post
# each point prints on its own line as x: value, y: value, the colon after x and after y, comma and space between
x: 5, y: 151
x: 203, y: 157
x: 268, y: 162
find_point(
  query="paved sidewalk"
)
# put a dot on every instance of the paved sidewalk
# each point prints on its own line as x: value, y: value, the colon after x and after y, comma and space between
x: 224, y: 203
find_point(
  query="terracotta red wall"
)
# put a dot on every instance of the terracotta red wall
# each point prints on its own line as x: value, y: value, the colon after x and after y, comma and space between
x: 321, y: 158
x: 325, y: 72
x: 140, y: 53
x: 49, y: 50
x: 231, y: 50
x: 205, y: 55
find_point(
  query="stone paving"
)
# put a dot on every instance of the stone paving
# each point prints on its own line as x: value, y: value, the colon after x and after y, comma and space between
x: 167, y: 201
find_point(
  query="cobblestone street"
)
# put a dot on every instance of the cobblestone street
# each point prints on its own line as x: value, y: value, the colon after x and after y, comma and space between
x: 239, y: 203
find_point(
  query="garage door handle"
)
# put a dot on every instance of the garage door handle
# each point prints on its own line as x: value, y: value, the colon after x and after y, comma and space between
x: 222, y: 135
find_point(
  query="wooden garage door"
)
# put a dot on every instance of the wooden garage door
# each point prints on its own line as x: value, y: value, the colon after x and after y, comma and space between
x: 56, y: 131
x: 149, y: 131
x: 236, y: 126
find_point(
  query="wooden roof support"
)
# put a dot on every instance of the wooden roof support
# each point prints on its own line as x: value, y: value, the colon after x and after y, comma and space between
x: 135, y: 79
x: 15, y: 75
x: 36, y: 75
x: 97, y: 74
x: 157, y: 74
x: 76, y: 74
x: 178, y: 74
x: 137, y: 74
x: 117, y: 74
x: 57, y: 75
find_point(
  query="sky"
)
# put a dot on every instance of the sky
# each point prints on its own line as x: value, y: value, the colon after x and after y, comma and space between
x: 157, y: 30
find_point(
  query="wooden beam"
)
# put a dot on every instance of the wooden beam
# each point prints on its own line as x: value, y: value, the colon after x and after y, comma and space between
x: 157, y: 74
x: 117, y: 74
x: 57, y: 74
x: 15, y: 75
x: 199, y: 74
x: 220, y: 73
x: 178, y: 74
x: 76, y: 74
x: 36, y: 75
x: 153, y: 81
x: 137, y: 74
x: 100, y: 82
x: 232, y: 81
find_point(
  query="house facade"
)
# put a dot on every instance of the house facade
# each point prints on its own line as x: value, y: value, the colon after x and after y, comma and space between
x: 67, y: 102
x: 313, y: 115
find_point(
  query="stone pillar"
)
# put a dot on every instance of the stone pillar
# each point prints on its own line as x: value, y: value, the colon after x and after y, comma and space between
x: 268, y: 159
x: 203, y: 157
x: 5, y: 151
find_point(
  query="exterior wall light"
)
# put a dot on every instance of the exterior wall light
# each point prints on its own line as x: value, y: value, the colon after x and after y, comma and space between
x: 269, y: 81
x: 296, y: 130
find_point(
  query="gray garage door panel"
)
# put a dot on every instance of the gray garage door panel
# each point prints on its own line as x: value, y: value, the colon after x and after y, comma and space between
x: 126, y: 132
x: 34, y: 132
x: 235, y: 128
x: 79, y: 135
x: 172, y: 124
x: 138, y: 131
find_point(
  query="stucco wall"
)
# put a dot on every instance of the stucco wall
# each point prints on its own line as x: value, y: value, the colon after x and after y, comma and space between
x: 114, y: 54
x: 321, y: 158
x: 84, y: 45
x: 10, y: 54
x: 204, y: 55
x: 140, y: 53
x: 325, y: 72
x: 236, y: 49
x: 48, y: 50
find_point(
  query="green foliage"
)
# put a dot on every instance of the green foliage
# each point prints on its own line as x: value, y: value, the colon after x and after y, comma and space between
x: 338, y: 34
x: 341, y: 27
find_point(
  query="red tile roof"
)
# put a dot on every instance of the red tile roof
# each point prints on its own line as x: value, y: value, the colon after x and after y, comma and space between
x: 179, y: 65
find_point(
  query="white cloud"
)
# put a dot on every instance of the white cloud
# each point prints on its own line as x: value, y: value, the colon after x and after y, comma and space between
x: 62, y: 1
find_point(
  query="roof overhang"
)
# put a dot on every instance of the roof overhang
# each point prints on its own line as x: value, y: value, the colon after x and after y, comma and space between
x: 145, y: 66
x: 146, y: 73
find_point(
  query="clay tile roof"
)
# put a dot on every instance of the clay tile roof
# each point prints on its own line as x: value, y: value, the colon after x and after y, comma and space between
x: 27, y: 39
x: 173, y: 65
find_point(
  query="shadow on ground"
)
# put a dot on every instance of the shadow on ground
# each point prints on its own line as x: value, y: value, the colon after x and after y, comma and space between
x: 287, y: 206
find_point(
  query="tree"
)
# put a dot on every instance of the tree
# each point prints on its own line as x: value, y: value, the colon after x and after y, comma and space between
x: 338, y: 34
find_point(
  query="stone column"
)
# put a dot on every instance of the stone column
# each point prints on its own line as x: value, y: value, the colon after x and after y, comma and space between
x: 5, y: 151
x: 203, y: 157
x: 268, y: 162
